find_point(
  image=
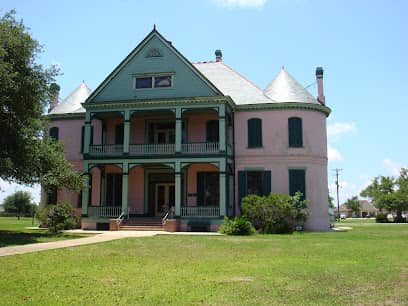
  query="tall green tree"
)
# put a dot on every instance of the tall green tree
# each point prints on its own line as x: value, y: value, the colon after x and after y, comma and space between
x: 354, y: 205
x: 27, y: 155
x: 19, y: 203
x: 389, y: 193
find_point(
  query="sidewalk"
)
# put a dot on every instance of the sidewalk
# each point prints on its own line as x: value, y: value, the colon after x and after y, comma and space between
x: 100, y: 236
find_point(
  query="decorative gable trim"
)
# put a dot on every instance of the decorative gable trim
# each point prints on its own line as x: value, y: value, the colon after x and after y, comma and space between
x: 150, y: 53
x: 284, y: 106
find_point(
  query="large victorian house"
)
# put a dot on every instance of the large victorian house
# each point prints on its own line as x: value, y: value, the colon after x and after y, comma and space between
x: 164, y: 137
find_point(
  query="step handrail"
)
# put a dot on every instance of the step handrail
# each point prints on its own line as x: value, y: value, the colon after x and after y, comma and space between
x: 165, y: 217
x: 120, y: 218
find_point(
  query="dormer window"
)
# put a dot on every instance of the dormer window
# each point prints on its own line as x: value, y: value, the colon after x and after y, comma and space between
x: 159, y: 81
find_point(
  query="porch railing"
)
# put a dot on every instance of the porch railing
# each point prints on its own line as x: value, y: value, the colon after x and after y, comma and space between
x: 200, y: 211
x: 105, y: 211
x: 105, y: 149
x: 200, y: 147
x: 152, y: 148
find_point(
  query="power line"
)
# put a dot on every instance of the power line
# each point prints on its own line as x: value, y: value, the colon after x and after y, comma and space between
x: 337, y: 170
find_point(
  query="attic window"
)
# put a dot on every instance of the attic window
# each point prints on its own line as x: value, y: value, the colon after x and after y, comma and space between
x: 161, y: 81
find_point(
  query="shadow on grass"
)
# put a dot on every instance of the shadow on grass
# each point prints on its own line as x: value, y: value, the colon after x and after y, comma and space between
x: 10, y: 238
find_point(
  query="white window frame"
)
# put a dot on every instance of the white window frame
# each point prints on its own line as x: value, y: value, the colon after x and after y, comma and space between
x: 135, y: 77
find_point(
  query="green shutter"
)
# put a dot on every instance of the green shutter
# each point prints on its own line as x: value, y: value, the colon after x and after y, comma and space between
x: 212, y: 128
x: 295, y: 132
x: 266, y: 183
x: 254, y: 133
x: 297, y: 181
x: 200, y: 188
x: 54, y: 133
x: 242, y: 185
x: 119, y: 134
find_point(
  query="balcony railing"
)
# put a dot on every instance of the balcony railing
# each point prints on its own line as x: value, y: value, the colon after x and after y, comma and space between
x: 200, y: 147
x: 152, y: 148
x: 200, y: 211
x: 106, y: 149
x: 105, y: 211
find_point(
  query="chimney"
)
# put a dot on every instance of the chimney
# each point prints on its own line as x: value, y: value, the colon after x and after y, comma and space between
x: 319, y: 79
x: 54, y: 91
x: 218, y: 56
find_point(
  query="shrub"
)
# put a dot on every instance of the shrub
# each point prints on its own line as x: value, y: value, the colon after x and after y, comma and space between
x: 275, y: 213
x: 237, y: 226
x: 381, y: 218
x: 58, y: 217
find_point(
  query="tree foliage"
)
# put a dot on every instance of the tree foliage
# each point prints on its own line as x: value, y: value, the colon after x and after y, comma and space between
x: 389, y: 193
x: 19, y: 203
x: 27, y: 155
x: 58, y: 217
x: 354, y: 205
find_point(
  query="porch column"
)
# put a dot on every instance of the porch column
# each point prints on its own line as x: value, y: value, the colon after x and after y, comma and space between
x: 223, y: 192
x: 126, y: 132
x: 125, y: 183
x: 221, y: 127
x: 87, y: 132
x: 85, y: 196
x: 177, y: 187
x: 178, y: 129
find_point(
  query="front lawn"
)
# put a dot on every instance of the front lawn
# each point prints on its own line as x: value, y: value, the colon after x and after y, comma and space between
x: 14, y: 232
x: 365, y: 266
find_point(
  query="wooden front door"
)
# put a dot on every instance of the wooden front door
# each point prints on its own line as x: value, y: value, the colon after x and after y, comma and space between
x: 164, y: 198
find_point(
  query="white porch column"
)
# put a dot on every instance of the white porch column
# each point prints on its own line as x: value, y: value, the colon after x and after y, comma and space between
x: 177, y: 187
x: 221, y: 128
x: 126, y: 132
x: 179, y: 130
x: 223, y: 193
x: 85, y: 196
x: 125, y: 185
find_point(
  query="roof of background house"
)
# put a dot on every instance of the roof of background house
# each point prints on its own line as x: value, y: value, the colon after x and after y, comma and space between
x: 284, y: 88
x: 72, y: 103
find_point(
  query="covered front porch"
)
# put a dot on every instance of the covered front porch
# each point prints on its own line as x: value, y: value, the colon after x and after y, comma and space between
x: 182, y: 189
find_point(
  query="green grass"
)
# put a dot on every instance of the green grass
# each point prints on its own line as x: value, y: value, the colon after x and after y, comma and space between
x: 365, y: 266
x: 14, y: 232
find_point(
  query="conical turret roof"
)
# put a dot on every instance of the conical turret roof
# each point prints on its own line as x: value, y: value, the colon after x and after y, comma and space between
x: 72, y: 103
x: 284, y: 88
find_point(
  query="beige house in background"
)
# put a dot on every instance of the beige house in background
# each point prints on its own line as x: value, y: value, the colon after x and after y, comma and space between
x: 366, y: 210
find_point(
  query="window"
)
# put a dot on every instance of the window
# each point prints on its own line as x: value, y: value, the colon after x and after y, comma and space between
x: 295, y: 132
x: 297, y: 182
x: 113, y: 189
x: 254, y: 182
x: 254, y: 133
x: 212, y: 131
x: 161, y: 81
x: 54, y: 133
x: 119, y: 134
x: 208, y: 189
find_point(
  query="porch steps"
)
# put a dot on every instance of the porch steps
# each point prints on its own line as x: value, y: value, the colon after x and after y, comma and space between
x: 142, y: 224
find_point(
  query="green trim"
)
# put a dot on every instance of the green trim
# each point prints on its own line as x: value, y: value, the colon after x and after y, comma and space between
x: 68, y: 116
x: 285, y: 105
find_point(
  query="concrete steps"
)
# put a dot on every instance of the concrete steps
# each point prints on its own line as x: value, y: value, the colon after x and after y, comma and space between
x: 142, y: 224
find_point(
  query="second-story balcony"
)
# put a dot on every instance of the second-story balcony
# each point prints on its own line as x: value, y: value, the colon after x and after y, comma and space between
x: 154, y: 149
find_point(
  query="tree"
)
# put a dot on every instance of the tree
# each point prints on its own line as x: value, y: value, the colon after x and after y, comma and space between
x: 27, y: 155
x: 19, y: 203
x: 331, y: 202
x: 58, y: 217
x: 354, y: 204
x: 389, y: 193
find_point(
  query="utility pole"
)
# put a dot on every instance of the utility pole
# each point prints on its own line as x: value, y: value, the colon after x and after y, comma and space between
x: 337, y: 187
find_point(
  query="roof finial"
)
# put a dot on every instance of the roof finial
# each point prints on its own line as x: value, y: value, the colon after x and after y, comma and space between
x: 154, y: 27
x: 283, y: 67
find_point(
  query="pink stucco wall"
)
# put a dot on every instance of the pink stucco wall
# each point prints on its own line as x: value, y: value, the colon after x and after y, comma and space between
x: 196, y: 125
x: 276, y: 156
x: 136, y: 190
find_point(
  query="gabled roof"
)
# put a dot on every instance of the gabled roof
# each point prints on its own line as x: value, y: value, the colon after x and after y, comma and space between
x: 72, y: 103
x: 232, y: 84
x: 284, y: 88
x: 135, y: 51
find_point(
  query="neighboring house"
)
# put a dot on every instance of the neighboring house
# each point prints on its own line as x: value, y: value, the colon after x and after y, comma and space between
x: 161, y: 134
x: 366, y: 210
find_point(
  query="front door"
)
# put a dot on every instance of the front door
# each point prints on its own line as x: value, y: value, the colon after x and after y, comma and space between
x: 164, y: 198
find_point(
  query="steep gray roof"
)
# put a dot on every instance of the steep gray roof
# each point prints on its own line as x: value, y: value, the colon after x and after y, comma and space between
x: 284, y: 88
x: 72, y: 103
x: 232, y: 84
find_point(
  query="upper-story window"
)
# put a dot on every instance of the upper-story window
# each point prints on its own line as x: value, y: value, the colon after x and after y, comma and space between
x: 254, y: 133
x: 212, y: 133
x: 160, y: 81
x: 295, y: 132
x: 54, y: 133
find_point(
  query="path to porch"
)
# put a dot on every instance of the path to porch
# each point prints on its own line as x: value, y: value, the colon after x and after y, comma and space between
x: 100, y: 236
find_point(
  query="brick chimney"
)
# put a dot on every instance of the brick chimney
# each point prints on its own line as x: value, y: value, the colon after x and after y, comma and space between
x: 218, y: 56
x: 54, y: 90
x: 319, y: 78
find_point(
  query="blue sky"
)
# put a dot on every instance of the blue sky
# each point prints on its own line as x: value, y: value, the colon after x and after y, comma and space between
x: 362, y: 46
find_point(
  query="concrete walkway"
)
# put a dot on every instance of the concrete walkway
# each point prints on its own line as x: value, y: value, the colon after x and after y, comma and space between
x: 100, y: 236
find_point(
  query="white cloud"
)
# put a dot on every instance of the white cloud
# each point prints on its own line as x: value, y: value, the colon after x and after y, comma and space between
x: 391, y: 166
x: 7, y: 189
x: 241, y: 3
x: 340, y: 128
x: 334, y: 154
